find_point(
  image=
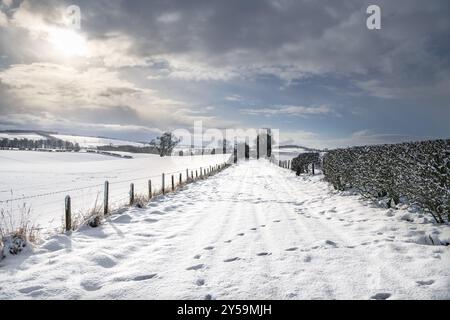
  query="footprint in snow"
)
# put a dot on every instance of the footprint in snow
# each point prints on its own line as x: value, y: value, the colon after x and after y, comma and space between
x: 381, y: 296
x: 241, y: 234
x: 208, y: 248
x: 231, y: 259
x: 200, y: 282
x: 292, y: 249
x: 149, y: 220
x: 144, y: 277
x: 228, y: 241
x: 197, y: 256
x: 103, y: 260
x: 263, y: 226
x: 261, y: 254
x: 123, y: 219
x: 253, y: 229
x: 196, y: 267
x: 90, y: 285
x: 425, y: 282
x: 158, y: 212
x: 30, y: 289
x: 276, y: 221
x: 331, y: 243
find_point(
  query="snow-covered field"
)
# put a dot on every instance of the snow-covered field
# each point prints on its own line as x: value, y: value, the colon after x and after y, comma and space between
x: 94, y: 142
x: 253, y: 231
x: 41, y: 180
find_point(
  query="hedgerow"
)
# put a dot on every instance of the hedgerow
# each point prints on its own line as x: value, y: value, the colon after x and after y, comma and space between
x: 416, y: 171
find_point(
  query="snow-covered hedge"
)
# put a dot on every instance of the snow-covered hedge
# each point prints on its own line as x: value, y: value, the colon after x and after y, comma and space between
x: 417, y: 171
x: 303, y: 161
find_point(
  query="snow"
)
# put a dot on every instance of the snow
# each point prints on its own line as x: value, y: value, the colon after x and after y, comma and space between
x: 94, y: 142
x: 27, y: 174
x: 253, y: 231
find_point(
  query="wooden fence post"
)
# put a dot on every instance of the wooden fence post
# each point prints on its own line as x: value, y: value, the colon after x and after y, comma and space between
x: 106, y: 198
x: 181, y: 179
x: 201, y: 170
x: 163, y: 184
x: 313, y: 168
x: 131, y: 194
x: 257, y: 146
x: 187, y: 175
x: 68, y: 209
x: 150, y: 193
x: 173, y: 184
x: 192, y: 175
x: 196, y: 174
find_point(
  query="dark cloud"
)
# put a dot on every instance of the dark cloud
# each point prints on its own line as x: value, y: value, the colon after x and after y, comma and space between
x: 275, y: 43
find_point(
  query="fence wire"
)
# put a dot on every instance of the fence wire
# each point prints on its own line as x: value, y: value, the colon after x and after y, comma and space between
x: 86, y: 198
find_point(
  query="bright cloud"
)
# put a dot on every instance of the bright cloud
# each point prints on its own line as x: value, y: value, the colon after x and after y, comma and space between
x: 289, y: 110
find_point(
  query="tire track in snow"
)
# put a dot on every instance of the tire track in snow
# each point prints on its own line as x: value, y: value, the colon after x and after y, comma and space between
x: 236, y: 256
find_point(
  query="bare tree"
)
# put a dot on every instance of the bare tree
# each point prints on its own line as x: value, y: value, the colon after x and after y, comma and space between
x: 165, y: 144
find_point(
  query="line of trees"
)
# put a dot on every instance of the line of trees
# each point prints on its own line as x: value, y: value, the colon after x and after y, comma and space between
x: 29, y: 144
x: 416, y: 171
x: 128, y: 148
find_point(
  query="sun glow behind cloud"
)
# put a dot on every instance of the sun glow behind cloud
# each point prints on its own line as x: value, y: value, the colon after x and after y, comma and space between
x: 68, y: 42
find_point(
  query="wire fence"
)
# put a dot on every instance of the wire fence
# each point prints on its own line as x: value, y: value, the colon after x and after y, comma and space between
x: 51, y: 206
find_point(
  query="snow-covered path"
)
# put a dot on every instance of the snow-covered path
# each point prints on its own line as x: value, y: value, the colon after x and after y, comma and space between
x: 254, y: 231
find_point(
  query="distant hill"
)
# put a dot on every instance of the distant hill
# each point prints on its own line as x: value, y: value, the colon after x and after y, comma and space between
x: 292, y: 146
x: 83, y: 141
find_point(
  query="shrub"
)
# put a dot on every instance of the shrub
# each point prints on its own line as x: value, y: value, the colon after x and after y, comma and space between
x: 301, y: 163
x: 418, y: 171
x: 15, y: 234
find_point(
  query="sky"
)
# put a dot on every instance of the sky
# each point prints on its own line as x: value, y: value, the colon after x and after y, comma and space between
x: 311, y: 69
